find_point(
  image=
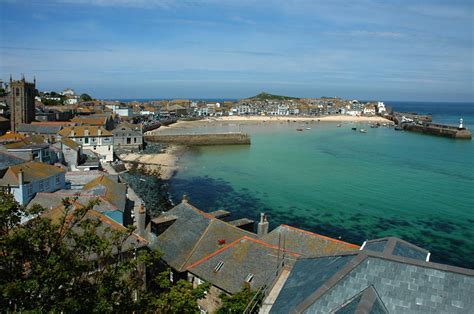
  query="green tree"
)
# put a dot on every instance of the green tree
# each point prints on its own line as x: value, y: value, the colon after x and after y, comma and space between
x: 238, y: 303
x: 70, y: 264
x: 85, y: 97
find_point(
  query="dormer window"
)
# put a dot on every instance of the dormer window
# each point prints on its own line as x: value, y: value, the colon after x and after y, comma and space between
x: 218, y: 266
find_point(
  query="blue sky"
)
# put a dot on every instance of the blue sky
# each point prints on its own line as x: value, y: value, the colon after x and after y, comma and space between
x: 364, y: 49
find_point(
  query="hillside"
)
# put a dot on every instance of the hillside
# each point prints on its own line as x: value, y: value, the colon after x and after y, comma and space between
x: 266, y: 96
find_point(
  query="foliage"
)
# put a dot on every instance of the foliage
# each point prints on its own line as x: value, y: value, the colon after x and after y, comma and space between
x: 178, y: 298
x: 70, y: 264
x: 266, y: 96
x: 85, y: 97
x: 237, y: 303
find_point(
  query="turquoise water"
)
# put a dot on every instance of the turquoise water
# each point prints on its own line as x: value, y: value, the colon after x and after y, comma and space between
x: 341, y: 183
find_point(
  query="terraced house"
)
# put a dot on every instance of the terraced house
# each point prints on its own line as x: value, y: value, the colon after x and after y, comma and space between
x: 93, y: 138
x: 25, y: 180
x: 200, y: 247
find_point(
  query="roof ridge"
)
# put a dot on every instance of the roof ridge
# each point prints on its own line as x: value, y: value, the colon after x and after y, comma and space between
x: 225, y: 247
x: 236, y: 242
x: 110, y: 221
x: 197, y: 244
x: 320, y: 235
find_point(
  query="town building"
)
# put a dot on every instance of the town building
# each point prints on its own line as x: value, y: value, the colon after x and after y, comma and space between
x: 21, y: 102
x: 107, y: 121
x: 26, y: 179
x: 128, y: 136
x: 94, y: 138
x: 386, y: 275
x: 48, y: 131
x: 31, y: 148
x: 201, y: 247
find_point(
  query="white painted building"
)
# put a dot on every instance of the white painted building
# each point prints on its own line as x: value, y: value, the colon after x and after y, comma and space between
x: 93, y: 138
x: 27, y: 179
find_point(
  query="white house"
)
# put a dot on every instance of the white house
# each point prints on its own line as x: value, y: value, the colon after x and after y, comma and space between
x: 26, y: 179
x: 93, y: 138
x: 381, y: 107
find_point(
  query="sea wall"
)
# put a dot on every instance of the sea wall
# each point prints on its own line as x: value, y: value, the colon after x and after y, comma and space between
x: 439, y: 130
x: 201, y: 139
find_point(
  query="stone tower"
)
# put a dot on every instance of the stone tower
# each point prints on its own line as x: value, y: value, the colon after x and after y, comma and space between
x: 22, y: 102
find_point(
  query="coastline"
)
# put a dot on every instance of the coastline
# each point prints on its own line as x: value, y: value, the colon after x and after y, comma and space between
x: 164, y: 164
x: 264, y: 119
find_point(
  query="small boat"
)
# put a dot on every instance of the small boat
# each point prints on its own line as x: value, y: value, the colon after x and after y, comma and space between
x: 353, y: 129
x: 299, y: 129
x: 339, y: 125
x: 363, y: 131
x: 397, y: 128
x: 308, y: 128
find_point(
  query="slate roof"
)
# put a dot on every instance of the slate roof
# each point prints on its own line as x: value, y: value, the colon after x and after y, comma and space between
x: 7, y: 160
x: 242, y: 258
x: 38, y: 129
x: 125, y: 126
x: 32, y: 171
x: 104, y: 229
x: 194, y: 235
x: 97, y: 121
x: 80, y: 131
x: 70, y: 143
x: 403, y: 284
x: 51, y: 200
x: 109, y: 189
x: 29, y: 142
x: 398, y: 247
x: 367, y: 301
x: 306, y: 243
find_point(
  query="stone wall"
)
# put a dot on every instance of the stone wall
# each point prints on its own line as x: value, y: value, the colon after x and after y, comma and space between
x: 201, y: 139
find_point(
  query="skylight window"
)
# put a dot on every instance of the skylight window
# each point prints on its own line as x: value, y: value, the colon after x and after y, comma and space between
x: 249, y: 278
x: 218, y: 266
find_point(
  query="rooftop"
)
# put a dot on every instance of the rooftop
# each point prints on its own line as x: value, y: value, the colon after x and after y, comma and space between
x: 403, y: 284
x: 32, y: 171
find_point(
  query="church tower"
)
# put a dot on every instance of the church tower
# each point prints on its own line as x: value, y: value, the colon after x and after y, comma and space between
x: 21, y: 102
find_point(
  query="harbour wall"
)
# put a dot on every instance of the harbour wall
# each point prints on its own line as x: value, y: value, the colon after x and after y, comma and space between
x: 439, y: 130
x: 201, y: 139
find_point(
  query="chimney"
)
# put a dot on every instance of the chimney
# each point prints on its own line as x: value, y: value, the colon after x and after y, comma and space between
x: 99, y: 131
x: 141, y: 221
x: 185, y: 198
x: 262, y: 228
x: 21, y: 179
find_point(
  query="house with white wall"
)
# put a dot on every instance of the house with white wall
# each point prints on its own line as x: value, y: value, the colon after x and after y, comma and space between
x: 26, y: 179
x: 93, y: 138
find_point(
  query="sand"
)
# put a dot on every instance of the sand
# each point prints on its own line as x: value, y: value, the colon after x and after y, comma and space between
x: 166, y: 164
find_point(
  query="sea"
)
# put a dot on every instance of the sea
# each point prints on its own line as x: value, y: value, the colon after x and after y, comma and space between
x: 345, y: 184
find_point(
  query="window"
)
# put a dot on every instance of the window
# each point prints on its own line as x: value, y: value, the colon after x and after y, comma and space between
x: 30, y: 189
x: 46, y: 184
x: 58, y: 180
x: 218, y: 266
x: 109, y: 148
x: 41, y: 186
x: 134, y: 139
x: 249, y: 278
x: 86, y: 140
x: 17, y: 91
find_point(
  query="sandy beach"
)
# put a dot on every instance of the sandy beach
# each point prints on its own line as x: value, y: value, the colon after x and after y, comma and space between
x: 265, y: 119
x: 165, y: 163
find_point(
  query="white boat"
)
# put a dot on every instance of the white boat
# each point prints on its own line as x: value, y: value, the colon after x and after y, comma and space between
x: 308, y: 128
x: 363, y: 131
